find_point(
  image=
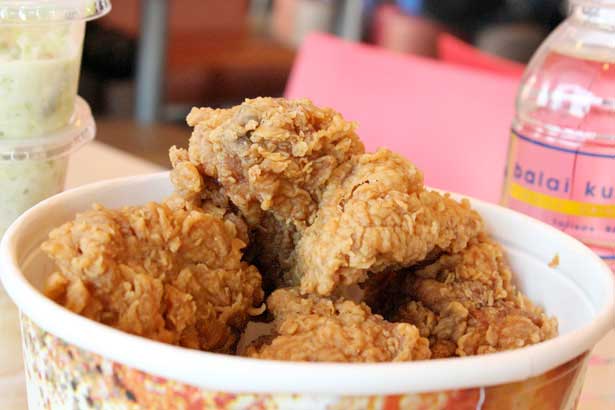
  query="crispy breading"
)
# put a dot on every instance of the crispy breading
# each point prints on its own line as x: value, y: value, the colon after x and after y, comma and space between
x: 162, y: 271
x: 271, y: 155
x: 271, y: 158
x: 316, y: 329
x: 466, y: 304
x: 198, y: 192
x: 376, y: 215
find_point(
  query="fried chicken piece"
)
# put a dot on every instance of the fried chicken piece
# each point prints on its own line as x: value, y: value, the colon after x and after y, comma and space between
x: 466, y: 304
x: 169, y: 272
x: 270, y: 155
x: 271, y: 158
x: 315, y: 329
x: 198, y: 192
x: 376, y: 215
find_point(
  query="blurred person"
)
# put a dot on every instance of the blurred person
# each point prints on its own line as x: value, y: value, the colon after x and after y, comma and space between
x: 508, y: 28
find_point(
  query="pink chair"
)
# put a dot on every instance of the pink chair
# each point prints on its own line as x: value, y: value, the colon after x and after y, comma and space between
x: 455, y: 51
x: 451, y: 121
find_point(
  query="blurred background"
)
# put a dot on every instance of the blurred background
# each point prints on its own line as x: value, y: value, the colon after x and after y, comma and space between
x: 149, y: 61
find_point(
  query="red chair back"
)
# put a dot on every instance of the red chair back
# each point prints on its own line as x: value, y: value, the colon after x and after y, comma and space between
x: 455, y: 51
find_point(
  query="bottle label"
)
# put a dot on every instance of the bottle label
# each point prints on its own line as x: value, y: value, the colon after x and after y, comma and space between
x: 568, y: 185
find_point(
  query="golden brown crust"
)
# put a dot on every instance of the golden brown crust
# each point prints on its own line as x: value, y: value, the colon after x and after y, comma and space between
x: 467, y: 299
x: 315, y: 329
x: 376, y: 215
x: 196, y: 191
x: 162, y: 271
x: 272, y: 154
x: 271, y: 158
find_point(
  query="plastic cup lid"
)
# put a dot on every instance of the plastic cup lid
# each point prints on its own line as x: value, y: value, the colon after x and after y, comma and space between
x: 79, y: 131
x: 47, y: 11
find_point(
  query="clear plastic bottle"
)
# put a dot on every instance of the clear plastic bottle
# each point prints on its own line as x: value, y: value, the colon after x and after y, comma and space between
x: 561, y: 159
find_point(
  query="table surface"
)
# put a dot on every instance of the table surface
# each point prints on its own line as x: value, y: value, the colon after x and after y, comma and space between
x: 149, y: 142
x: 599, y: 390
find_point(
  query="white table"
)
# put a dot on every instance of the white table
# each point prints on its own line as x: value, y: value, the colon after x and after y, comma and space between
x: 98, y: 161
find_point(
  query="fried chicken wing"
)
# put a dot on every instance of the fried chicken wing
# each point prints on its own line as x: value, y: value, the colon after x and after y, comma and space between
x: 167, y: 271
x: 466, y: 304
x: 311, y: 328
x: 376, y: 215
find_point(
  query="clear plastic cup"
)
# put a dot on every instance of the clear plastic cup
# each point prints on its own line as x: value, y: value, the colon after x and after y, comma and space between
x: 41, y: 42
x: 35, y: 168
x: 31, y: 170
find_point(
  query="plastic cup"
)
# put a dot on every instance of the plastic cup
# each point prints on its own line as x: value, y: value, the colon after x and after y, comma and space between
x: 41, y: 122
x: 32, y: 170
x: 40, y: 56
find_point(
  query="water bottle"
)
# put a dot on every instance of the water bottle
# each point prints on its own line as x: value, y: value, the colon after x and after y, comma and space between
x: 561, y: 157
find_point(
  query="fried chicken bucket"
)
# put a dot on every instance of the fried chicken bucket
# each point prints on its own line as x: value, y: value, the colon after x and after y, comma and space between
x: 73, y: 362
